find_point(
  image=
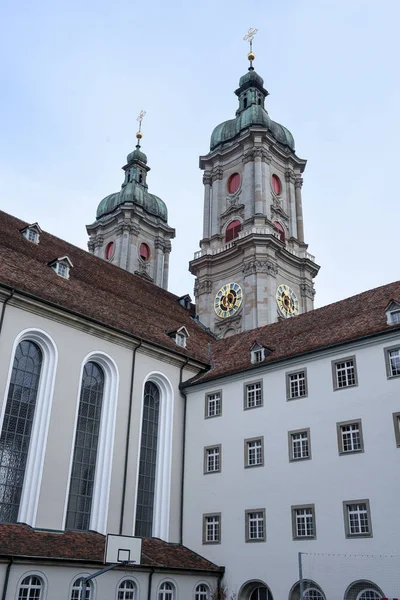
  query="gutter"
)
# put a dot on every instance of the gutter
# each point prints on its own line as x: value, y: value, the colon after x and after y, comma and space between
x: 128, y: 435
x: 183, y: 449
x: 3, y: 310
x: 149, y: 586
x: 10, y: 562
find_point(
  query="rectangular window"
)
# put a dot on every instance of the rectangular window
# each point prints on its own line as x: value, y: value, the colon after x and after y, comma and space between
x: 392, y: 359
x: 303, y: 522
x: 396, y: 423
x: 344, y: 373
x: 212, y: 528
x: 253, y: 394
x: 357, y: 518
x: 395, y: 316
x: 350, y: 437
x: 212, y: 459
x: 254, y: 452
x: 213, y: 405
x: 299, y: 444
x: 296, y: 385
x: 255, y: 525
x: 257, y: 355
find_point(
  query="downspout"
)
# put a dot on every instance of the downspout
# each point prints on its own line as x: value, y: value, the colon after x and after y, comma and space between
x: 183, y: 448
x: 10, y: 562
x: 128, y: 434
x: 149, y: 588
x: 3, y: 310
x: 219, y: 580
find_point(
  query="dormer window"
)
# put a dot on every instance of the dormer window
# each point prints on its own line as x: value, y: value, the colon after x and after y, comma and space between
x: 62, y: 266
x: 185, y: 301
x: 258, y: 353
x: 180, y: 336
x: 393, y: 313
x: 32, y: 233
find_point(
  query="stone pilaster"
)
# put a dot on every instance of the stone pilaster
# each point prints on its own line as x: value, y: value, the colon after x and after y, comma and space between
x: 299, y: 208
x: 207, y: 180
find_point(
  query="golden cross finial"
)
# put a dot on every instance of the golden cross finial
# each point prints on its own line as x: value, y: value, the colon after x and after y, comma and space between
x: 141, y: 115
x: 249, y: 37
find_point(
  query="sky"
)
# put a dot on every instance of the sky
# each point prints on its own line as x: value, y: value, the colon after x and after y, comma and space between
x: 74, y: 76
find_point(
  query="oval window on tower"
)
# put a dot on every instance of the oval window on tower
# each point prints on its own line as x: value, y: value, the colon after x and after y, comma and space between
x: 276, y: 185
x: 110, y: 250
x: 233, y: 183
x: 144, y: 252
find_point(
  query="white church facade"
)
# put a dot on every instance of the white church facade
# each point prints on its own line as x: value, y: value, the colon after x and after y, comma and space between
x: 249, y: 441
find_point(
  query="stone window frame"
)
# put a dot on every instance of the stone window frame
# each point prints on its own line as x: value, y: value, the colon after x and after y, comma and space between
x: 334, y: 364
x: 212, y: 447
x: 205, y: 516
x: 249, y: 539
x: 396, y: 423
x: 339, y: 426
x: 245, y: 394
x: 287, y: 376
x: 348, y: 535
x: 207, y: 396
x: 295, y: 535
x: 387, y: 351
x: 246, y: 454
x: 290, y: 445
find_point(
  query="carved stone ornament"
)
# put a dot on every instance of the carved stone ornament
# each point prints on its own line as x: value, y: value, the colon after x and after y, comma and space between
x: 134, y: 228
x: 91, y: 246
x: 99, y: 241
x: 253, y: 153
x: 260, y: 266
x: 307, y: 289
x: 235, y: 323
x: 159, y: 243
x: 202, y: 287
x: 207, y: 178
x: 167, y: 246
x: 290, y: 176
x: 232, y: 211
x: 217, y: 173
x: 123, y: 228
x: 298, y: 181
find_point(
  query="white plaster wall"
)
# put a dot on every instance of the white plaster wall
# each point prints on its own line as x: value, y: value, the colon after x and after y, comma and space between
x: 326, y: 480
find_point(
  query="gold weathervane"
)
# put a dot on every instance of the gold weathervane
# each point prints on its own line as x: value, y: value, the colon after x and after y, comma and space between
x: 249, y: 37
x: 140, y: 118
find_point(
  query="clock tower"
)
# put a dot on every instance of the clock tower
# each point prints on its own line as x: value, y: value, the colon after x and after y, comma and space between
x: 253, y: 266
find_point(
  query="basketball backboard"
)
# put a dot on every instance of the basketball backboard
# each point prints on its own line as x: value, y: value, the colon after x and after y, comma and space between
x: 123, y: 548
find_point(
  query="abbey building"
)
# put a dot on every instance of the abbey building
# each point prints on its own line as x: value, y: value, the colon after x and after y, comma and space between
x: 244, y: 447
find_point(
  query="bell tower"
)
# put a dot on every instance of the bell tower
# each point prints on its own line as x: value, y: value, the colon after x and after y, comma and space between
x: 253, y: 266
x: 131, y: 227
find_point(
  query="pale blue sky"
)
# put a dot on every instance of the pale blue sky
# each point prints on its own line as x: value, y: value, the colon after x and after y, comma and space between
x: 75, y: 74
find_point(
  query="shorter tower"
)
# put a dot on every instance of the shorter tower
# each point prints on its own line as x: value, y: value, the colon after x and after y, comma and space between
x: 131, y: 228
x: 253, y: 267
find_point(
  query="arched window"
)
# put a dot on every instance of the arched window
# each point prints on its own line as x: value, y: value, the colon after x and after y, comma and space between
x: 311, y: 591
x: 110, y: 250
x: 17, y: 427
x: 232, y: 231
x: 144, y: 252
x: 148, y: 461
x: 166, y: 591
x: 276, y: 184
x: 31, y: 588
x: 279, y: 228
x: 127, y: 590
x: 313, y: 594
x: 261, y: 593
x: 85, y: 450
x: 202, y: 592
x: 369, y: 595
x: 79, y: 588
x: 363, y: 590
x: 245, y: 101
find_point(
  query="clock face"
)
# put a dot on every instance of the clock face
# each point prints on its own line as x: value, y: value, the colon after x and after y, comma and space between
x: 286, y: 299
x: 228, y: 300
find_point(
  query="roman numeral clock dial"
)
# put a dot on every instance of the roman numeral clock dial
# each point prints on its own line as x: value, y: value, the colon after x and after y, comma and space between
x: 287, y: 301
x: 228, y: 300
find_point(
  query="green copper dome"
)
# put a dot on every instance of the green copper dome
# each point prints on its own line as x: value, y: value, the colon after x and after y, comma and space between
x: 137, y: 194
x: 137, y: 155
x: 251, y: 111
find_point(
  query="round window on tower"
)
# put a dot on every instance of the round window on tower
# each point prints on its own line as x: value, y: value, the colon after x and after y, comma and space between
x: 233, y: 183
x: 110, y: 250
x: 144, y: 252
x: 276, y: 185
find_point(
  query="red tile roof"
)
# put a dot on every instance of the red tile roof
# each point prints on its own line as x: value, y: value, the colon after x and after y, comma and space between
x: 96, y: 289
x: 356, y: 317
x: 21, y: 540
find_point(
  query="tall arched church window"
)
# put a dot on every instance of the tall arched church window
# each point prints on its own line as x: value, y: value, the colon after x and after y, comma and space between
x: 85, y: 450
x: 17, y: 427
x: 280, y: 230
x: 232, y: 231
x: 31, y: 588
x: 148, y: 461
